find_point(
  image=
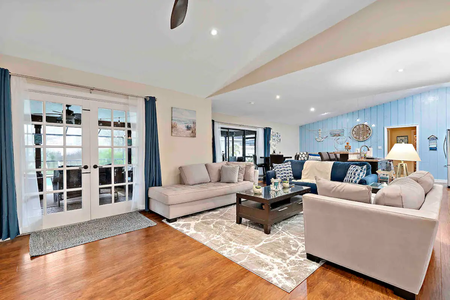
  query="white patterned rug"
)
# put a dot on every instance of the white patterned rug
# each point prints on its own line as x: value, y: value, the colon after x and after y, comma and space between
x: 279, y: 257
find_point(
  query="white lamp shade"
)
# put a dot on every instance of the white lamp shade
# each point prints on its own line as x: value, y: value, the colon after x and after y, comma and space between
x: 403, y: 152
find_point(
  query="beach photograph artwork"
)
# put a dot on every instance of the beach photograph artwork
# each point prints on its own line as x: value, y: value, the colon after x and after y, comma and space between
x: 184, y: 122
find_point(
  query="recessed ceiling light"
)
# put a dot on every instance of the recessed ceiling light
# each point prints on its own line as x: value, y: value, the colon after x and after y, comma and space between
x: 278, y: 97
x: 252, y: 103
x: 325, y: 113
x: 312, y: 109
x: 213, y: 31
x: 400, y: 70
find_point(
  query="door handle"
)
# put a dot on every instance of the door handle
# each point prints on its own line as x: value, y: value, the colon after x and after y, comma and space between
x: 95, y: 166
x: 85, y: 167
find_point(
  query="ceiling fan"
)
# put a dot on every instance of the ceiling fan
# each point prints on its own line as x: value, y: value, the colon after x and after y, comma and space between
x: 178, y: 13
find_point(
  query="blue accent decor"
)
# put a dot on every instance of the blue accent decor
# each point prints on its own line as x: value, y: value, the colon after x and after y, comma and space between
x: 267, y: 132
x: 340, y: 169
x: 9, y: 225
x: 429, y: 110
x: 213, y: 142
x: 338, y: 173
x: 355, y: 174
x: 152, y: 163
x: 283, y: 171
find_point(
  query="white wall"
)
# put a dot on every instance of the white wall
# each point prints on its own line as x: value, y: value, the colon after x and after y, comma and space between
x: 289, y: 133
x: 174, y: 151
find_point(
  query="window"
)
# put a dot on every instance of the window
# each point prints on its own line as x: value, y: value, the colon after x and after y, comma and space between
x: 238, y: 144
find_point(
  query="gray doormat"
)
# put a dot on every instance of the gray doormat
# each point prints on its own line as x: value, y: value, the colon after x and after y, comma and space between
x: 56, y: 239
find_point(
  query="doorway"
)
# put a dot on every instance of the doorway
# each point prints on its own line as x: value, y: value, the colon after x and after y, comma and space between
x: 402, y: 134
x: 84, y: 154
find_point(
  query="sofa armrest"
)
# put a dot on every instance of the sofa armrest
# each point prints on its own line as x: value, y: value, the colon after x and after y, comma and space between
x: 269, y: 175
x: 390, y: 244
x: 372, y: 178
x: 256, y: 177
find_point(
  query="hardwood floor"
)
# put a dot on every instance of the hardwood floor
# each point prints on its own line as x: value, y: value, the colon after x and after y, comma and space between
x: 161, y: 263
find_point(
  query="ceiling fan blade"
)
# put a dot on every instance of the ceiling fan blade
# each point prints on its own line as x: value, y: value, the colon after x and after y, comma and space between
x: 178, y: 13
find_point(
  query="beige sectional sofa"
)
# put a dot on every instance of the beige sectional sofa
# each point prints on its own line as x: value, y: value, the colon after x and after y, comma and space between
x: 390, y: 244
x: 201, y: 190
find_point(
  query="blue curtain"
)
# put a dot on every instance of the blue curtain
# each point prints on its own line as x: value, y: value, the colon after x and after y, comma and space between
x: 9, y: 225
x: 152, y: 163
x: 213, y: 142
x: 267, y: 132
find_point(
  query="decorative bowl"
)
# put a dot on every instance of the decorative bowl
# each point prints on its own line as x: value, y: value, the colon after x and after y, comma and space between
x: 257, y: 189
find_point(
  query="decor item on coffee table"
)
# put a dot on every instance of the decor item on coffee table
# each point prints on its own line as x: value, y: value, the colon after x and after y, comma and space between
x: 279, y: 258
x: 276, y: 205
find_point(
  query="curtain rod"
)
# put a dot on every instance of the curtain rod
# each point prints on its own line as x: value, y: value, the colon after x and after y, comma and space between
x: 241, y: 125
x: 75, y: 85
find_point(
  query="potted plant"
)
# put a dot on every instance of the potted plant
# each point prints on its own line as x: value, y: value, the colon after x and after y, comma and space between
x: 286, y: 184
x: 257, y: 189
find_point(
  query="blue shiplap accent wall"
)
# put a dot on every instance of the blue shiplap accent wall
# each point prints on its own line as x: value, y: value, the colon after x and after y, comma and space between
x: 430, y: 110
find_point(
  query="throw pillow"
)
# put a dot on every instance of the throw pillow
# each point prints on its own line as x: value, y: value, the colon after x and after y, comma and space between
x: 355, y: 174
x: 303, y: 156
x: 214, y: 170
x: 249, y: 173
x: 313, y: 156
x: 402, y: 192
x: 194, y: 174
x: 242, y: 166
x: 283, y: 171
x: 229, y: 174
x: 341, y: 190
x: 424, y: 178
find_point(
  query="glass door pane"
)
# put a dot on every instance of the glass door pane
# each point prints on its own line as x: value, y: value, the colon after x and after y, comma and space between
x: 56, y: 144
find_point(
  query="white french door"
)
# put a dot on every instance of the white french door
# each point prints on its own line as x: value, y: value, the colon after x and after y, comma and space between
x: 84, y: 153
x: 112, y: 158
x: 59, y: 143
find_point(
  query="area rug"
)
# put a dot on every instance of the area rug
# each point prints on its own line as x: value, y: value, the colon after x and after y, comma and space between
x: 279, y: 257
x: 56, y: 239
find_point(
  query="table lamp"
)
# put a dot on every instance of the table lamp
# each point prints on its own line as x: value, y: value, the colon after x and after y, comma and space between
x: 403, y: 152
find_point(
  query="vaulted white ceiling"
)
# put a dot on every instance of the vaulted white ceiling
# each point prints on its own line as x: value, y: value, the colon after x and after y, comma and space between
x: 357, y: 81
x: 131, y: 39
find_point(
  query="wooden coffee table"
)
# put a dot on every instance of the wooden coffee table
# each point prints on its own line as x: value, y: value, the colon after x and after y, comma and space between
x: 269, y: 207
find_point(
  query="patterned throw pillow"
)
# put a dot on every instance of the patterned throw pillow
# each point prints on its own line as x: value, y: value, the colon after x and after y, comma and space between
x: 314, y: 157
x: 283, y: 171
x: 303, y: 156
x: 355, y: 174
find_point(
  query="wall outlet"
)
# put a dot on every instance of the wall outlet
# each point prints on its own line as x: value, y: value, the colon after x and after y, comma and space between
x: 380, y: 148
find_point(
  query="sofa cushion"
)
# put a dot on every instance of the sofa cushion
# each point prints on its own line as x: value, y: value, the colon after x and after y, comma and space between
x: 244, y: 169
x: 312, y: 185
x: 339, y: 170
x: 249, y: 174
x: 402, y: 192
x: 214, y: 170
x: 314, y: 156
x: 297, y: 168
x: 424, y: 178
x: 303, y: 156
x: 194, y: 174
x: 283, y: 171
x: 341, y: 190
x: 320, y: 169
x: 176, y: 194
x: 229, y: 174
x: 355, y: 174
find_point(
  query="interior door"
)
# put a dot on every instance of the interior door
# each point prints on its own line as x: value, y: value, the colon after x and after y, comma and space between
x: 60, y: 145
x: 112, y: 158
